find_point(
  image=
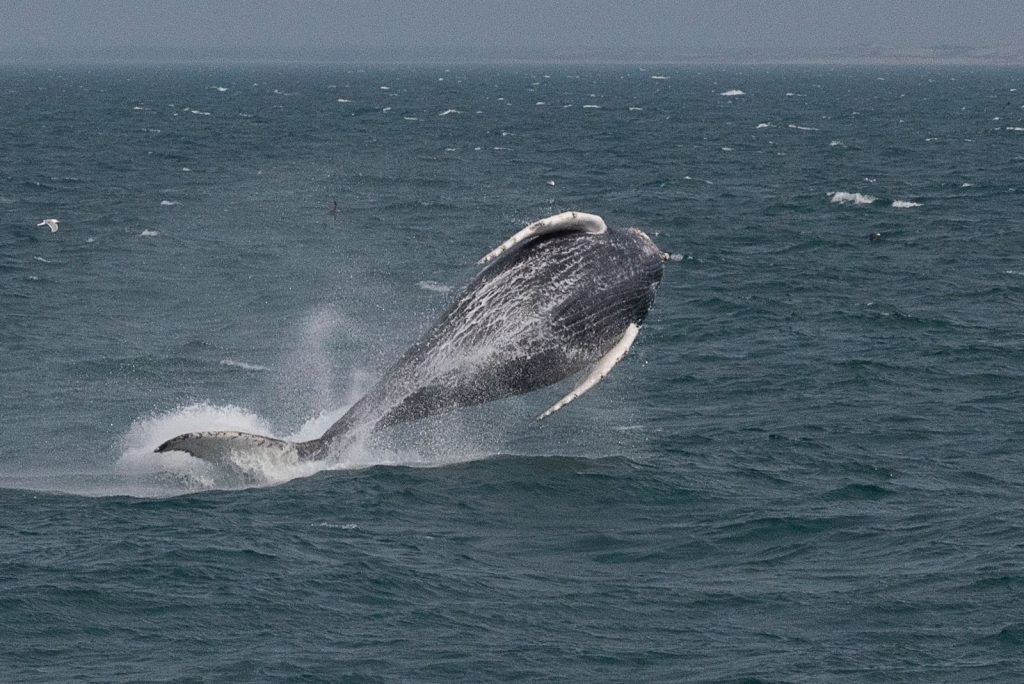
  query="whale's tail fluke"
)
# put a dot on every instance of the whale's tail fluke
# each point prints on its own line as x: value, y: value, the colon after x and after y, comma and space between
x: 223, y: 446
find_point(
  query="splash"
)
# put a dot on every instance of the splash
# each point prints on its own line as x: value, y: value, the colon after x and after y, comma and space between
x: 144, y: 472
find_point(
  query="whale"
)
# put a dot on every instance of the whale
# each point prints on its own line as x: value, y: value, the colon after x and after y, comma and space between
x: 564, y: 296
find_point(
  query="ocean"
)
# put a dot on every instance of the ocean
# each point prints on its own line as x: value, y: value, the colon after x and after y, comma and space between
x: 807, y: 469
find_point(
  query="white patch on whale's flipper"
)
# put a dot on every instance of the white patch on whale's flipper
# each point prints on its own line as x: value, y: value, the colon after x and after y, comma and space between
x: 600, y: 370
x: 226, y: 446
x: 569, y: 220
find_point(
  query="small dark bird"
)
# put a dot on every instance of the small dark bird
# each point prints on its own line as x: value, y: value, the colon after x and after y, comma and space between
x: 334, y: 210
x: 874, y: 236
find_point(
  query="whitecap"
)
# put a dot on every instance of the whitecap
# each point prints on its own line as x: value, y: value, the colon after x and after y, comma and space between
x: 802, y: 128
x: 411, y: 118
x: 449, y: 111
x: 168, y: 203
x: 341, y: 99
x: 905, y: 204
x: 763, y: 125
x: 636, y: 109
x: 433, y: 286
x: 659, y: 78
x: 591, y: 106
x: 220, y: 89
x: 732, y: 93
x: 196, y: 111
x: 149, y: 233
x: 1015, y: 128
x: 851, y: 198
x: 45, y: 261
x: 243, y: 365
x: 836, y: 143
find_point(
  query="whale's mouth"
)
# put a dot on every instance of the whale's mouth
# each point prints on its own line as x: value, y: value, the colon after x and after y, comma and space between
x: 649, y: 243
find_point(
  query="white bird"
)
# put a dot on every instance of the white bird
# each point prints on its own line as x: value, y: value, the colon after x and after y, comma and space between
x: 49, y: 223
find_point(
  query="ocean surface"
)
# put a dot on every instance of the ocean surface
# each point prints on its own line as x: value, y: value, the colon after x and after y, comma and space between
x: 808, y: 469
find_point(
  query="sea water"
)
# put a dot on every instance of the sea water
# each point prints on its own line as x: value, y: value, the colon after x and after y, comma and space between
x: 807, y: 469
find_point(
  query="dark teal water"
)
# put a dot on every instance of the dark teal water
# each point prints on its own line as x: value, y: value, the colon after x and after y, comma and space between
x: 808, y: 468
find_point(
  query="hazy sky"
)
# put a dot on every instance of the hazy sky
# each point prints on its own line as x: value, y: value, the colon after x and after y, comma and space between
x: 718, y: 27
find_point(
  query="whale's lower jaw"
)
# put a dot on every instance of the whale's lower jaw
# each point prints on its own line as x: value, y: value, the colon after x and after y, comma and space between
x: 223, y: 447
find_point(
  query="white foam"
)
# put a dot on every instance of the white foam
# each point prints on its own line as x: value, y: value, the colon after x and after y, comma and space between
x: 168, y: 203
x: 732, y: 93
x: 851, y: 198
x: 836, y: 143
x: 905, y: 204
x: 149, y: 233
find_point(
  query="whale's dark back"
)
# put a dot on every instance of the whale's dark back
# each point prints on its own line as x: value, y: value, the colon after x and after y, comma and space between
x: 540, y: 313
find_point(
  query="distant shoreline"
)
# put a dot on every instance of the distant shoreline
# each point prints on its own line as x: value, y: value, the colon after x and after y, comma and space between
x: 877, y: 56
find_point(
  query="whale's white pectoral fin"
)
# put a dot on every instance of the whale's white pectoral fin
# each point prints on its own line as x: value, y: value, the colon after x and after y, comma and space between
x: 600, y: 370
x: 569, y: 220
x: 222, y: 446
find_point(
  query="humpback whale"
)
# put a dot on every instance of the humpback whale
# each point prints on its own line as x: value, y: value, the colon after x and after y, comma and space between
x: 563, y: 295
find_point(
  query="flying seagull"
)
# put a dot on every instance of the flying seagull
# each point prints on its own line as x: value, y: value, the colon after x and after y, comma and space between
x: 49, y: 223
